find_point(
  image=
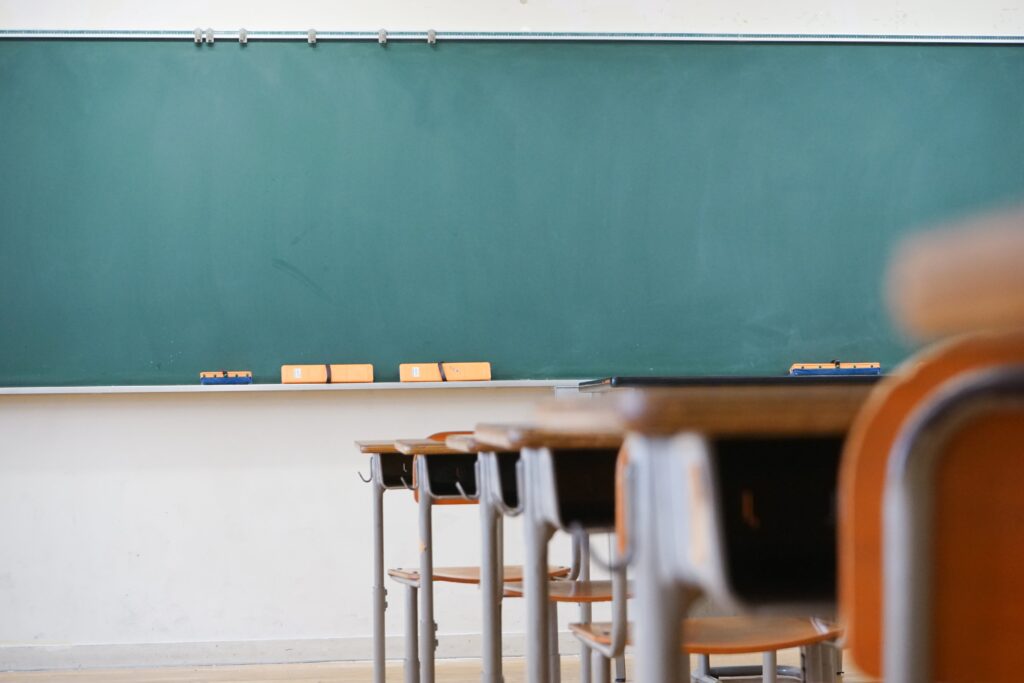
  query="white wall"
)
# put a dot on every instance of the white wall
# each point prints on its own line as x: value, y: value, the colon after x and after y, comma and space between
x: 219, y: 527
x: 925, y: 17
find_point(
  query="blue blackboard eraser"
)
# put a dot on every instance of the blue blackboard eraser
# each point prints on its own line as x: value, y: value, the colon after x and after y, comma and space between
x: 833, y: 368
x: 226, y: 377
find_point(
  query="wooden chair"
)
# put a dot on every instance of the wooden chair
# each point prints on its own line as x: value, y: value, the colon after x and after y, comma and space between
x: 864, y: 468
x: 706, y: 636
x: 583, y: 593
x: 932, y: 516
x: 960, y: 280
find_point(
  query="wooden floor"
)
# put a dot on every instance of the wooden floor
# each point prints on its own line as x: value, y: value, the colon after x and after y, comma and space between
x: 448, y: 671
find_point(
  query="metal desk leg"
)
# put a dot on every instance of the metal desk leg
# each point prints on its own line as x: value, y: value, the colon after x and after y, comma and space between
x: 660, y: 603
x: 554, y: 656
x: 490, y: 587
x: 412, y: 660
x: 586, y: 615
x: 537, y: 533
x: 620, y: 669
x: 379, y: 591
x: 428, y: 630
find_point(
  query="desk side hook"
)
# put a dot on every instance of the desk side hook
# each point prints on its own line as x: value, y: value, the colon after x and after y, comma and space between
x: 499, y: 503
x: 462, y: 491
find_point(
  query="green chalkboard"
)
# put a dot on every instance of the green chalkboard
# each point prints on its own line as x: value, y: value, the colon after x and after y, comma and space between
x: 559, y: 209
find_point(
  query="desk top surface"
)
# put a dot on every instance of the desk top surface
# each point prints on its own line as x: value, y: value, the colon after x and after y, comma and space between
x: 512, y: 437
x: 465, y: 443
x: 426, y: 447
x: 377, y: 447
x: 789, y: 408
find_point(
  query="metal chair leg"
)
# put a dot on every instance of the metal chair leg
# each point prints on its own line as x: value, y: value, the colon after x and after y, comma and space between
x: 620, y: 669
x: 769, y: 667
x: 821, y: 663
x: 600, y: 666
x: 412, y: 660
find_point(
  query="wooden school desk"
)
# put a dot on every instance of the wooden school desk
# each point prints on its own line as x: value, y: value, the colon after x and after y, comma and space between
x: 733, y: 494
x: 389, y: 469
x: 568, y: 482
x: 442, y: 474
x: 498, y: 495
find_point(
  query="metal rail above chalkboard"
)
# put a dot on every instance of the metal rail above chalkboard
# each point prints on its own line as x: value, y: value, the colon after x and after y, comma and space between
x: 431, y: 36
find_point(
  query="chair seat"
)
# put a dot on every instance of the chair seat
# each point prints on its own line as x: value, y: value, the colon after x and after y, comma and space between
x: 467, y: 574
x: 731, y: 635
x: 569, y: 591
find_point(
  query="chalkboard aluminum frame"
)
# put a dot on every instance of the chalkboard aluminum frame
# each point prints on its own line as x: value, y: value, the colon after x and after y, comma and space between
x: 431, y: 35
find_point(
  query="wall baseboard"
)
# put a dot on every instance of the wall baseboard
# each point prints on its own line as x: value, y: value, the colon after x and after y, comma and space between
x: 124, y: 655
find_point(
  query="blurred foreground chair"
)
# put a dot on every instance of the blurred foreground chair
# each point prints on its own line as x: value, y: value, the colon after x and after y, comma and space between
x: 932, y: 480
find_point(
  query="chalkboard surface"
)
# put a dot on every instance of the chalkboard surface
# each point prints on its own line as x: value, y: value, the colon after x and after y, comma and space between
x: 559, y: 209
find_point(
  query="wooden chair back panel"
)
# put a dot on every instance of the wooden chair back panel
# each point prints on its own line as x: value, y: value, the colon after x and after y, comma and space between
x: 441, y: 437
x: 863, y: 470
x: 978, y: 584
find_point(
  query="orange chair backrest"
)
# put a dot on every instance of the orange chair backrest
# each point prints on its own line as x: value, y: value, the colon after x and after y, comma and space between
x: 443, y: 436
x: 978, y: 552
x: 965, y: 479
